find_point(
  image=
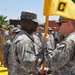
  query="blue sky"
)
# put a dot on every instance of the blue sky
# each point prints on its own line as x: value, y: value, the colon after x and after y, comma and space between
x: 12, y: 8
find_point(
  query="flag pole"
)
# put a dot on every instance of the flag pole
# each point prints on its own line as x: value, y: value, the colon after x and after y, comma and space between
x: 46, y: 25
x: 46, y: 32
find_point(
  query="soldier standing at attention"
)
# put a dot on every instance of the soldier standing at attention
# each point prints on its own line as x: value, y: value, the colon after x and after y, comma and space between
x: 51, y: 37
x: 5, y: 32
x: 40, y: 31
x: 4, y: 36
x: 62, y: 61
x: 10, y: 30
x: 8, y: 44
x: 7, y: 50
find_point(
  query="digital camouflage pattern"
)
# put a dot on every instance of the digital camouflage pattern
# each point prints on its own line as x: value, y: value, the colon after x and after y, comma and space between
x: 62, y: 61
x: 3, y: 38
x: 22, y: 55
x: 6, y: 49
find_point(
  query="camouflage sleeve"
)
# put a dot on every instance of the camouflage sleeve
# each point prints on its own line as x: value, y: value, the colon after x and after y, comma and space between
x: 6, y: 52
x: 25, y: 53
x: 62, y: 55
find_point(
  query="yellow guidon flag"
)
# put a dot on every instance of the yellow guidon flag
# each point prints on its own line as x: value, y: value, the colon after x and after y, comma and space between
x: 65, y: 8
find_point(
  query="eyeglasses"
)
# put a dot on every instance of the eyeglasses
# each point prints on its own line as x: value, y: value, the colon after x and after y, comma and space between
x: 60, y: 23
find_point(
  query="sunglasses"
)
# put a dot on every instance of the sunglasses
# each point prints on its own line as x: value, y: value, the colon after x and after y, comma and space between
x: 60, y: 23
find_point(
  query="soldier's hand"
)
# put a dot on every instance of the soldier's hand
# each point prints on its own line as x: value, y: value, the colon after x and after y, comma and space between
x: 43, y: 71
x: 45, y: 39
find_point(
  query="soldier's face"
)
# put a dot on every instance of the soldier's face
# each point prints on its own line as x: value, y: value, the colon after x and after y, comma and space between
x: 63, y: 27
x: 3, y: 29
x: 66, y: 28
x: 49, y: 31
x: 29, y: 26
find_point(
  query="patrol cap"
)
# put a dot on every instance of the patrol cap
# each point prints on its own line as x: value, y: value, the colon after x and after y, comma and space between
x: 62, y: 19
x: 29, y: 16
x: 16, y: 29
x: 19, y: 26
x: 3, y: 26
x: 41, y: 28
x: 12, y: 26
x: 49, y: 28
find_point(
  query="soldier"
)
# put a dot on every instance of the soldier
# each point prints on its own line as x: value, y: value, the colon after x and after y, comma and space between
x: 7, y: 49
x: 55, y: 34
x: 23, y: 49
x: 51, y: 37
x: 40, y: 32
x: 8, y: 44
x: 19, y: 26
x: 62, y: 61
x: 10, y: 30
x: 5, y: 33
x: 4, y: 36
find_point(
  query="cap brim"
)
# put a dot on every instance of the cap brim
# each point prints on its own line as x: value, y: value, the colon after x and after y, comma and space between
x: 58, y: 22
x: 17, y: 31
x: 3, y: 27
x: 35, y: 20
x: 50, y: 30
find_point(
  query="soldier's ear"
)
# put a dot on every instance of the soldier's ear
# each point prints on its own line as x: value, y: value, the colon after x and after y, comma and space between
x: 69, y: 23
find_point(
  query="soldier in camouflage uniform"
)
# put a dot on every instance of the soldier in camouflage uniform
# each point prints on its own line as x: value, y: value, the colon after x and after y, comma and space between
x: 51, y: 37
x: 40, y: 32
x: 4, y: 36
x: 23, y: 53
x: 8, y: 44
x: 62, y: 61
x: 10, y: 30
x: 5, y: 32
x: 19, y: 26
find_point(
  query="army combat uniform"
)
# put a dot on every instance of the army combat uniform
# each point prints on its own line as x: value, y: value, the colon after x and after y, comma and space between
x: 23, y: 55
x: 3, y: 38
x: 6, y: 49
x: 62, y: 61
